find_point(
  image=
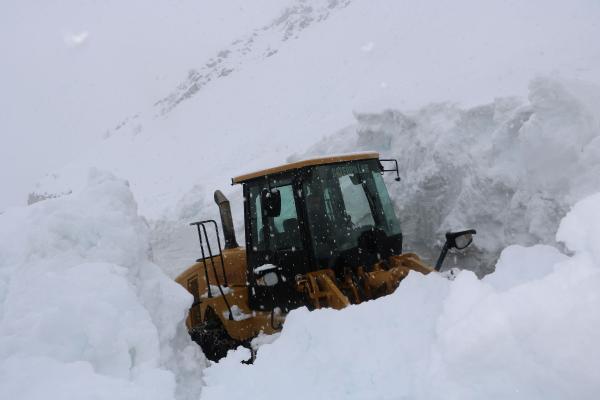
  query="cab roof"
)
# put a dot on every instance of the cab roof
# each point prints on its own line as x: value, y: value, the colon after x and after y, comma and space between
x: 306, y: 163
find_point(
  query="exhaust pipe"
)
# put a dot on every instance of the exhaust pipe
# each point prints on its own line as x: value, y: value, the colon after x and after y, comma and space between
x: 226, y: 220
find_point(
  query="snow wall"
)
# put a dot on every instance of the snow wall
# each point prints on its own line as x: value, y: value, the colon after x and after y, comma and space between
x: 528, y: 331
x: 510, y: 169
x: 84, y: 313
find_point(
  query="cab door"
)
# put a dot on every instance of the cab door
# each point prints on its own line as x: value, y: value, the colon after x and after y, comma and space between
x: 274, y: 245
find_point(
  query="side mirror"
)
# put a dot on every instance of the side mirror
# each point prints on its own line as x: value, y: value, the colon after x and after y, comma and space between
x: 271, y: 202
x: 455, y: 240
x: 460, y: 240
x: 269, y: 279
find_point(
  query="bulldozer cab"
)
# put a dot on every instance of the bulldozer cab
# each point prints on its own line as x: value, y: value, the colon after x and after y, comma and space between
x: 319, y: 233
x: 334, y: 215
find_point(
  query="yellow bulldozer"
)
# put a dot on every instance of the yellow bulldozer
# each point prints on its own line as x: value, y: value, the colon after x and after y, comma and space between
x: 320, y: 232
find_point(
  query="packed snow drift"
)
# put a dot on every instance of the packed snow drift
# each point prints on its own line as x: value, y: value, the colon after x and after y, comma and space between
x: 84, y: 313
x: 528, y: 331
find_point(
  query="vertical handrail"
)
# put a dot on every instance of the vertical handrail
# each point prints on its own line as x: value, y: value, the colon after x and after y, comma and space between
x: 203, y: 259
x: 220, y: 252
x: 212, y: 261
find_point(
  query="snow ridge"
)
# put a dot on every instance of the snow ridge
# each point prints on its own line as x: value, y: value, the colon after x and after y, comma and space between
x: 261, y: 43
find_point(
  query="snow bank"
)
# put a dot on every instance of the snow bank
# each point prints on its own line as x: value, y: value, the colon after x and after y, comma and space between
x: 528, y: 331
x: 510, y: 168
x: 84, y: 313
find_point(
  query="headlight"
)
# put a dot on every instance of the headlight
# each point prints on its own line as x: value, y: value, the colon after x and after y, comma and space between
x: 268, y: 279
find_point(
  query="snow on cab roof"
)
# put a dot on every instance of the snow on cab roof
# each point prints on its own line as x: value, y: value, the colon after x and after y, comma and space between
x: 306, y: 163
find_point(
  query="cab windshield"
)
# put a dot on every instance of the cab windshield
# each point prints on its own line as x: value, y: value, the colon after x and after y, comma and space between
x: 345, y: 200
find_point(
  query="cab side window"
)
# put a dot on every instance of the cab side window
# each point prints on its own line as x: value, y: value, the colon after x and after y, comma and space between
x: 256, y: 219
x: 284, y: 230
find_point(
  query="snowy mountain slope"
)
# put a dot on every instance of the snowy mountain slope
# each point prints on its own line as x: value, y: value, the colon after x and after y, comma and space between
x: 261, y: 43
x: 364, y: 57
x: 266, y: 40
x: 72, y: 69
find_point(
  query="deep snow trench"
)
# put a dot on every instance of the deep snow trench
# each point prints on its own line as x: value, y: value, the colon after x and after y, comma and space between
x: 85, y: 311
x: 88, y: 306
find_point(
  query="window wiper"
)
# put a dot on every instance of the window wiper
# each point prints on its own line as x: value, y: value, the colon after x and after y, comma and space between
x: 370, y: 197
